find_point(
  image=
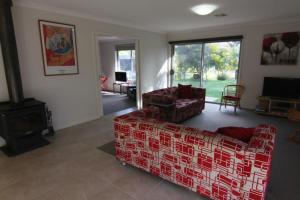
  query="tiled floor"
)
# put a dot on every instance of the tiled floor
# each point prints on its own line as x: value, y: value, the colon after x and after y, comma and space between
x: 72, y: 168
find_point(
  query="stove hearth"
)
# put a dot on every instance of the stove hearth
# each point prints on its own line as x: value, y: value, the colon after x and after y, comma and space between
x: 22, y: 125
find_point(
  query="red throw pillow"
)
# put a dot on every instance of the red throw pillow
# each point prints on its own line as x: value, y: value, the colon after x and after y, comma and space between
x: 243, y: 134
x: 185, y: 91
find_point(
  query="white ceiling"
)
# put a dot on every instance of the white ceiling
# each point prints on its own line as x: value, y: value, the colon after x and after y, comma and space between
x: 172, y: 15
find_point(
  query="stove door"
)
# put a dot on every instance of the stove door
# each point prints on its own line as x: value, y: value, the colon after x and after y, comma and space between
x: 27, y: 122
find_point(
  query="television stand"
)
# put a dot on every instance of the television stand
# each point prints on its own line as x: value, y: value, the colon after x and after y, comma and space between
x: 121, y: 84
x: 276, y: 106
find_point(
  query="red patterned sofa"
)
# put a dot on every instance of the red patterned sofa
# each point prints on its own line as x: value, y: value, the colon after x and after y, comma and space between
x: 213, y: 165
x: 178, y: 109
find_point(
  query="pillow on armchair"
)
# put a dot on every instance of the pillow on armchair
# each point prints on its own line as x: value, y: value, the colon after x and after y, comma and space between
x: 185, y: 91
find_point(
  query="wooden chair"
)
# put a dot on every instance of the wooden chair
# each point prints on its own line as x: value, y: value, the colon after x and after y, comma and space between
x: 231, y: 96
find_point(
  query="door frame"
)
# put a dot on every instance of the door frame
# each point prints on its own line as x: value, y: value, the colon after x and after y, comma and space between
x: 98, y: 68
x: 203, y: 42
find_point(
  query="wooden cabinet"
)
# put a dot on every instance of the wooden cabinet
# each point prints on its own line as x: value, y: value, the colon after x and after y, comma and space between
x: 276, y: 106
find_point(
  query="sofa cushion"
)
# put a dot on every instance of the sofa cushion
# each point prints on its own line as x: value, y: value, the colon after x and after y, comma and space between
x: 242, y: 134
x: 163, y: 99
x: 183, y: 103
x: 185, y: 91
x: 232, y: 98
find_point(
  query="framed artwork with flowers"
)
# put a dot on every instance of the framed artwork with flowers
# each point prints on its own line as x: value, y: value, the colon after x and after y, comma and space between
x: 59, y: 49
x: 280, y: 48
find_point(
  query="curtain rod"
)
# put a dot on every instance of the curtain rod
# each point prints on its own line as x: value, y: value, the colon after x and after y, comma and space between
x: 216, y: 39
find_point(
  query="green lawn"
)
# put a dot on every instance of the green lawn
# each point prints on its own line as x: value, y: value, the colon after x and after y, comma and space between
x: 213, y: 87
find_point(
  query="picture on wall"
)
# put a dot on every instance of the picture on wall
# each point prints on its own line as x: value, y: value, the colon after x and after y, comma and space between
x: 58, y: 43
x: 280, y: 49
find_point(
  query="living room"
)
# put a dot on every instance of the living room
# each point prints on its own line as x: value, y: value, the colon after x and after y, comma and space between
x: 72, y: 166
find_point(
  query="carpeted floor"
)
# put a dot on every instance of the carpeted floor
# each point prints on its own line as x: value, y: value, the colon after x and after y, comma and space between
x: 285, y: 175
x: 114, y: 102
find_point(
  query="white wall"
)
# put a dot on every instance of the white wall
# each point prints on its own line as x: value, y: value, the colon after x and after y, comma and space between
x: 107, y: 58
x: 107, y: 67
x: 251, y: 72
x: 73, y: 98
x: 3, y: 85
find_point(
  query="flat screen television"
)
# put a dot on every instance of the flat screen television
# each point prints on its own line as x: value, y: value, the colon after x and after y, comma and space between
x: 278, y: 87
x: 121, y: 76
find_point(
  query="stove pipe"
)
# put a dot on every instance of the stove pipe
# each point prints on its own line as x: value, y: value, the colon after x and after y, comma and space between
x: 10, y: 53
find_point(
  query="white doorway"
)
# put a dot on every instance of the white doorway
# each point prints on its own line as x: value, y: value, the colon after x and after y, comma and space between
x: 117, y: 74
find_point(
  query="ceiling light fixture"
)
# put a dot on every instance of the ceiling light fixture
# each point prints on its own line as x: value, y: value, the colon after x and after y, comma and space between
x: 204, y: 9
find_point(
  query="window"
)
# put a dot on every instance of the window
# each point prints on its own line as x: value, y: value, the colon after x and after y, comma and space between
x: 125, y: 61
x: 208, y: 63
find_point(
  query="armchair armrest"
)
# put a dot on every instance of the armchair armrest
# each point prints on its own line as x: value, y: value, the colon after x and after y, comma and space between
x: 199, y: 93
x: 149, y: 98
x: 257, y: 161
x: 146, y: 97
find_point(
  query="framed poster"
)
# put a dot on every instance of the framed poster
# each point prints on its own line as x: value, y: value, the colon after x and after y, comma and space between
x: 58, y: 43
x: 280, y: 48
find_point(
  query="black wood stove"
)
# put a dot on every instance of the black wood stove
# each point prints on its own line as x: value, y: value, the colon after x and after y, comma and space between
x: 22, y: 121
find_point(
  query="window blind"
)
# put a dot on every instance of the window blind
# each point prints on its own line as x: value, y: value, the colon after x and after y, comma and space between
x: 124, y: 47
x: 207, y: 40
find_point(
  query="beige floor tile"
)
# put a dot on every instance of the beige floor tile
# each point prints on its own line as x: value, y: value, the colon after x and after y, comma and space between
x: 50, y: 196
x: 112, y: 170
x: 137, y: 183
x: 72, y: 168
x: 81, y: 190
x: 75, y: 189
x: 169, y: 191
x: 31, y: 188
x: 111, y: 193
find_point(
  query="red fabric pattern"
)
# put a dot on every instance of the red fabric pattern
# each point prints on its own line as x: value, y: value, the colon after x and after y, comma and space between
x: 179, y: 109
x: 233, y: 98
x: 214, y: 165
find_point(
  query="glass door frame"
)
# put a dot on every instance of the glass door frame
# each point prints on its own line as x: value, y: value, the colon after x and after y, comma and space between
x: 172, y: 71
x: 172, y: 44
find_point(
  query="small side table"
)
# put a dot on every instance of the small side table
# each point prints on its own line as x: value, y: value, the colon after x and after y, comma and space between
x: 119, y: 84
x: 131, y: 91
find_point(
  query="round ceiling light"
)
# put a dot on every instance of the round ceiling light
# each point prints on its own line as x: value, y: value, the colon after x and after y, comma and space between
x: 204, y: 9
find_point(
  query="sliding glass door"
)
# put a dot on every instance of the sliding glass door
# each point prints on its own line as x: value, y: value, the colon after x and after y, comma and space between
x: 187, y: 64
x: 220, y: 67
x: 211, y: 65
